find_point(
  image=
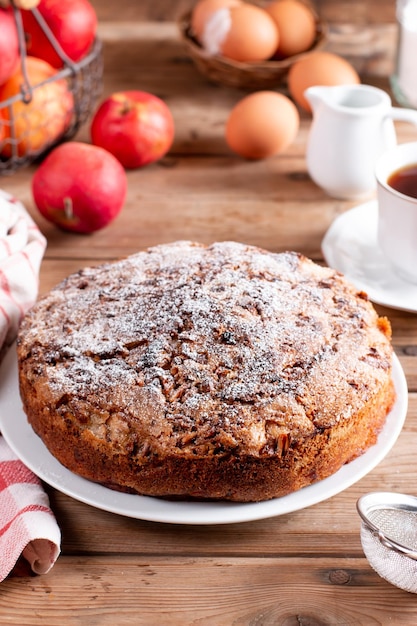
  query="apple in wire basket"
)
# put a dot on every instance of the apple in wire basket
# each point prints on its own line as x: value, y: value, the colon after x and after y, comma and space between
x: 73, y: 23
x: 9, y: 45
x: 29, y: 126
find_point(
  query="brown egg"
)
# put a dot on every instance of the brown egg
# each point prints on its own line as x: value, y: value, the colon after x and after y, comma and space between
x: 253, y: 35
x: 203, y: 11
x: 319, y: 68
x: 296, y: 26
x: 262, y: 125
x: 244, y: 33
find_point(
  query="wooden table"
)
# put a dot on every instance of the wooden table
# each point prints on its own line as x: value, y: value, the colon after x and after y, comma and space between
x: 302, y: 568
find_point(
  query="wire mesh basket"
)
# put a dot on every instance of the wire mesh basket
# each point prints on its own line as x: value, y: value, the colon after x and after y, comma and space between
x: 36, y: 118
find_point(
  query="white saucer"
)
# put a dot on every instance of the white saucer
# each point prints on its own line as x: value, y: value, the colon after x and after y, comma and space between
x: 30, y: 449
x: 350, y: 246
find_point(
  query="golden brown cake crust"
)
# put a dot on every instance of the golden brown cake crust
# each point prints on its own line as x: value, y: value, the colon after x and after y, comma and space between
x: 219, y: 371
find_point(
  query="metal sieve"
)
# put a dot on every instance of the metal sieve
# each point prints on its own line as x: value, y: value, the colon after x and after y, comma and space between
x: 389, y: 536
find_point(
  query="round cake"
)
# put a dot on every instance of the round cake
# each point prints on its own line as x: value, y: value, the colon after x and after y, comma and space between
x: 212, y: 372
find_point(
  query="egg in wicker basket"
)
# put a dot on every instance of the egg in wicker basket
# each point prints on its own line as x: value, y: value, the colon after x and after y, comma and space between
x: 266, y: 74
x: 32, y: 121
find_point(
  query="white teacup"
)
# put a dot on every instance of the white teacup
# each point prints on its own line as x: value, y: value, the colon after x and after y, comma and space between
x: 397, y: 212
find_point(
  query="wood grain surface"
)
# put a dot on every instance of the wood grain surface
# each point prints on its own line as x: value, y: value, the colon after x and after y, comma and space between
x: 305, y: 568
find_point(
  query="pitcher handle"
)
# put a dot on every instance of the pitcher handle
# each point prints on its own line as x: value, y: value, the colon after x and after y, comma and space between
x: 403, y: 115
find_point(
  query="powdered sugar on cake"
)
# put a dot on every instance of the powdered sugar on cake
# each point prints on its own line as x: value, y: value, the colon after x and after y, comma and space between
x: 211, y: 339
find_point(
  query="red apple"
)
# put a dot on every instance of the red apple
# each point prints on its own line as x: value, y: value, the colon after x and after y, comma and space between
x: 79, y: 187
x: 73, y: 23
x: 136, y: 126
x: 9, y: 45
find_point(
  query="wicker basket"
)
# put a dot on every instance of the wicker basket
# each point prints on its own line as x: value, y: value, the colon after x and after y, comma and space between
x: 84, y: 82
x: 252, y: 76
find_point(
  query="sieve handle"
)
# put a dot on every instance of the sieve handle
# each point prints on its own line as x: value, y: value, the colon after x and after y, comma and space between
x: 393, y: 545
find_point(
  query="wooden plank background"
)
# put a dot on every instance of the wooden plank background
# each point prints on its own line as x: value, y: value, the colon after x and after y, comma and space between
x: 306, y: 568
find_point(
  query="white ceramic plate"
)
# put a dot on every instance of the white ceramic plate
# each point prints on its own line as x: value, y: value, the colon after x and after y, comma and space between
x: 350, y: 246
x: 20, y: 437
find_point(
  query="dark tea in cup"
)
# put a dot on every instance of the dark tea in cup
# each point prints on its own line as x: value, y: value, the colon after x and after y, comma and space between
x: 404, y: 180
x: 396, y: 176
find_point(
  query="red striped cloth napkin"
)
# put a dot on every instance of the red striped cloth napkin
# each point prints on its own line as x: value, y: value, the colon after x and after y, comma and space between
x: 28, y: 527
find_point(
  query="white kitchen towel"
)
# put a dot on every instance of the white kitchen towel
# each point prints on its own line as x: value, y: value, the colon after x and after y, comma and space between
x: 28, y: 527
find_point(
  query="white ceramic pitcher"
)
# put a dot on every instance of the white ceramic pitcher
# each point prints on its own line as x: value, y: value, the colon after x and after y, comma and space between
x: 352, y: 125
